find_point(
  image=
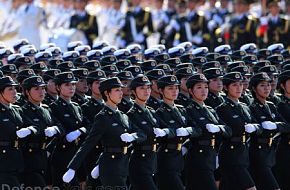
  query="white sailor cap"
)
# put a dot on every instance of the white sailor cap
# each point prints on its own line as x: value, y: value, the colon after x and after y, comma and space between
x: 83, y: 48
x: 122, y: 53
x: 223, y: 49
x: 42, y: 55
x: 100, y: 44
x: 151, y: 52
x: 134, y: 48
x: 22, y: 48
x: 70, y: 54
x: 276, y: 48
x: 72, y: 45
x: 20, y: 43
x: 186, y: 45
x: 54, y: 50
x: 200, y: 51
x: 95, y: 53
x: 249, y: 48
x: 109, y: 50
x: 43, y: 47
x: 13, y: 56
x: 28, y: 51
x: 176, y: 51
x: 159, y: 46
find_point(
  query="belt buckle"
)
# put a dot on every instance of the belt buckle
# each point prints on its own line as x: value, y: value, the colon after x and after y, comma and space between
x: 16, y: 144
x: 43, y: 146
x: 179, y: 145
x: 212, y: 142
x: 154, y: 147
x: 125, y: 150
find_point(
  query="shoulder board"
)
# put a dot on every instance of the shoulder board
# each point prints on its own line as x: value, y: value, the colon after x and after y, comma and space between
x: 278, y: 94
x: 270, y: 103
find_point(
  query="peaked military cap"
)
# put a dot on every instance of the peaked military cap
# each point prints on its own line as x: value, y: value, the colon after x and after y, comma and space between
x: 11, y: 58
x: 231, y: 77
x: 108, y: 60
x: 167, y: 81
x: 7, y: 81
x: 110, y: 83
x: 238, y: 54
x: 270, y: 70
x: 81, y: 73
x: 42, y: 56
x: 23, y: 61
x: 211, y: 56
x: 139, y: 81
x: 122, y: 53
x: 186, y: 58
x: 213, y: 73
x: 160, y: 58
x: 135, y: 70
x: 176, y: 51
x: 195, y: 78
x: 33, y: 81
x: 109, y: 50
x: 263, y: 53
x: 83, y: 49
x: 250, y: 59
x: 200, y: 51
x: 80, y: 61
x: 165, y: 67
x: 25, y: 73
x: 276, y: 59
x: 186, y: 45
x: 184, y: 72
x: 9, y: 69
x: 38, y: 67
x: 66, y: 66
x: 223, y: 49
x: 284, y: 76
x: 148, y: 65
x: 91, y: 65
x: 198, y: 61
x: 244, y: 70
x: 155, y: 74
x: 71, y: 45
x: 100, y: 45
x: 224, y: 59
x: 50, y: 74
x: 65, y: 77
x: 259, y: 77
x: 211, y: 64
x: 235, y: 64
x: 110, y: 70
x: 94, y: 54
x: 249, y: 48
x: 53, y: 63
x: 97, y: 75
x: 125, y: 75
x: 122, y: 64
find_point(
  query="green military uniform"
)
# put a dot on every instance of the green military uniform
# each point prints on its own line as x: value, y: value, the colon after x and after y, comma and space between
x: 10, y: 155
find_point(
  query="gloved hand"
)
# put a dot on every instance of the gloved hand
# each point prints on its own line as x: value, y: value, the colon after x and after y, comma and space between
x: 140, y: 38
x: 184, y: 150
x: 197, y: 39
x: 212, y: 128
x: 127, y: 137
x: 50, y: 131
x: 73, y: 135
x: 95, y: 172
x: 24, y: 132
x: 181, y: 132
x: 211, y: 25
x: 269, y: 125
x: 249, y: 128
x: 159, y: 132
x: 69, y: 175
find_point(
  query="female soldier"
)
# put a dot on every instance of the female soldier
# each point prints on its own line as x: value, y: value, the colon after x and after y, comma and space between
x: 11, y: 158
x: 283, y: 152
x: 263, y: 147
x: 234, y: 152
x: 170, y: 160
x: 70, y: 116
x: 112, y: 128
x: 200, y: 161
x: 38, y: 118
x: 143, y: 160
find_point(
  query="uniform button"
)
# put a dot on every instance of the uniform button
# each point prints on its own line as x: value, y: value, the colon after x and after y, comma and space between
x: 143, y: 155
x: 259, y: 146
x: 200, y: 151
x: 232, y: 147
x: 4, y: 151
x: 63, y: 146
x: 30, y: 150
x: 180, y: 138
x: 113, y: 156
x: 155, y: 140
x: 166, y: 150
x: 125, y: 130
x: 77, y: 122
x: 289, y: 142
x: 17, y: 127
x: 97, y: 146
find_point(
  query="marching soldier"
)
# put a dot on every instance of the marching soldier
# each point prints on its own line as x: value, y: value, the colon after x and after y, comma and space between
x: 277, y: 25
x: 11, y: 157
x: 143, y: 160
x: 39, y: 126
x: 263, y: 147
x: 243, y: 26
x: 51, y: 92
x: 175, y: 131
x: 90, y: 109
x: 200, y: 162
x: 234, y: 151
x: 283, y: 153
x: 137, y: 20
x: 82, y: 88
x: 126, y: 77
x: 84, y: 21
x: 113, y: 129
x: 69, y: 115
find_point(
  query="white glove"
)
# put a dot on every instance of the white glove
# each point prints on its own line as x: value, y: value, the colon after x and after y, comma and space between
x: 73, y: 135
x: 159, y: 132
x: 264, y: 21
x: 140, y: 38
x: 211, y: 25
x: 269, y: 125
x: 50, y: 131
x: 181, y: 132
x: 184, y: 150
x: 249, y: 128
x: 197, y: 39
x: 127, y: 137
x: 68, y: 176
x: 24, y: 132
x: 95, y: 172
x: 212, y: 128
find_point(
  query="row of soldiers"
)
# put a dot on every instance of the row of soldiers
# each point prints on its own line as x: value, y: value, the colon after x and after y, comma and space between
x: 189, y: 20
x: 75, y: 118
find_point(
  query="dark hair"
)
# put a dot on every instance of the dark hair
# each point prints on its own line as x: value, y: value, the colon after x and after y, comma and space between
x: 104, y: 97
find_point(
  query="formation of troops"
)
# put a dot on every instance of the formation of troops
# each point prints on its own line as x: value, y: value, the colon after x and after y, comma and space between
x: 169, y: 22
x: 190, y: 112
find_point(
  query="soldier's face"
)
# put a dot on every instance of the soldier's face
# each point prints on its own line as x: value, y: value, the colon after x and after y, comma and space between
x: 199, y: 91
x: 95, y: 88
x: 274, y: 82
x: 246, y: 83
x: 67, y: 90
x: 215, y: 85
x: 235, y: 90
x: 36, y: 94
x: 263, y: 89
x: 170, y: 92
x: 274, y: 9
x: 9, y: 95
x: 286, y: 88
x: 143, y: 92
x: 115, y: 95
x: 51, y: 88
x: 154, y: 86
x: 126, y: 90
x: 82, y: 86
